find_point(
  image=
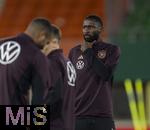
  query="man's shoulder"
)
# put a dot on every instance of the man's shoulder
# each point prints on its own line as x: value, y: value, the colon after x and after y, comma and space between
x: 109, y: 45
x: 115, y: 49
x: 57, y: 57
x: 76, y: 47
x: 7, y: 39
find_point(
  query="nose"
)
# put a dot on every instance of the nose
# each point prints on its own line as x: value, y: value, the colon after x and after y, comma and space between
x: 86, y: 31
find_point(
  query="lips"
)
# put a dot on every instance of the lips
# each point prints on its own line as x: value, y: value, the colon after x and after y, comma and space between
x: 86, y: 35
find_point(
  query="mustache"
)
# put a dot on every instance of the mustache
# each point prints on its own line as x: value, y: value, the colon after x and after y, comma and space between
x: 91, y: 38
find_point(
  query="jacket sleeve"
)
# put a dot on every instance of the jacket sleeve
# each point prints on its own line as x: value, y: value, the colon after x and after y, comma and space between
x: 41, y: 82
x: 54, y: 97
x: 104, y: 67
x: 56, y: 76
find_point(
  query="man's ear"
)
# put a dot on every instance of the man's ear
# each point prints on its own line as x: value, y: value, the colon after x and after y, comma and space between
x: 100, y: 29
x: 42, y: 36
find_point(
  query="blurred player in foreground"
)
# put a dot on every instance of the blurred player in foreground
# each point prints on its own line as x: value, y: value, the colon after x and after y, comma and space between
x: 22, y: 63
x: 95, y: 62
x: 63, y: 77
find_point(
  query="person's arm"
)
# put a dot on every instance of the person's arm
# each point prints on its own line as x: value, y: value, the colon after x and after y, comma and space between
x: 104, y: 69
x: 55, y: 94
x: 41, y: 82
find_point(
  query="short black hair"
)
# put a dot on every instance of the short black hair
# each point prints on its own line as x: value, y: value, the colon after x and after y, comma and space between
x: 55, y: 32
x: 43, y: 24
x: 95, y: 18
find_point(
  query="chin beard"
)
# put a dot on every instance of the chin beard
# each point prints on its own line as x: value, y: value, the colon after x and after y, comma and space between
x: 89, y: 39
x: 92, y: 38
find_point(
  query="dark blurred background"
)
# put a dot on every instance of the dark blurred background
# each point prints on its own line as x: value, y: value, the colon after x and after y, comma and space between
x: 126, y: 23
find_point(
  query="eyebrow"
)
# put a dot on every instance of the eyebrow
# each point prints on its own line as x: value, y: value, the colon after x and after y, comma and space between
x: 89, y: 26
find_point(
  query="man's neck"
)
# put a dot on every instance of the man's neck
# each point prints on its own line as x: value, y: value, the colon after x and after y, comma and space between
x: 86, y: 45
